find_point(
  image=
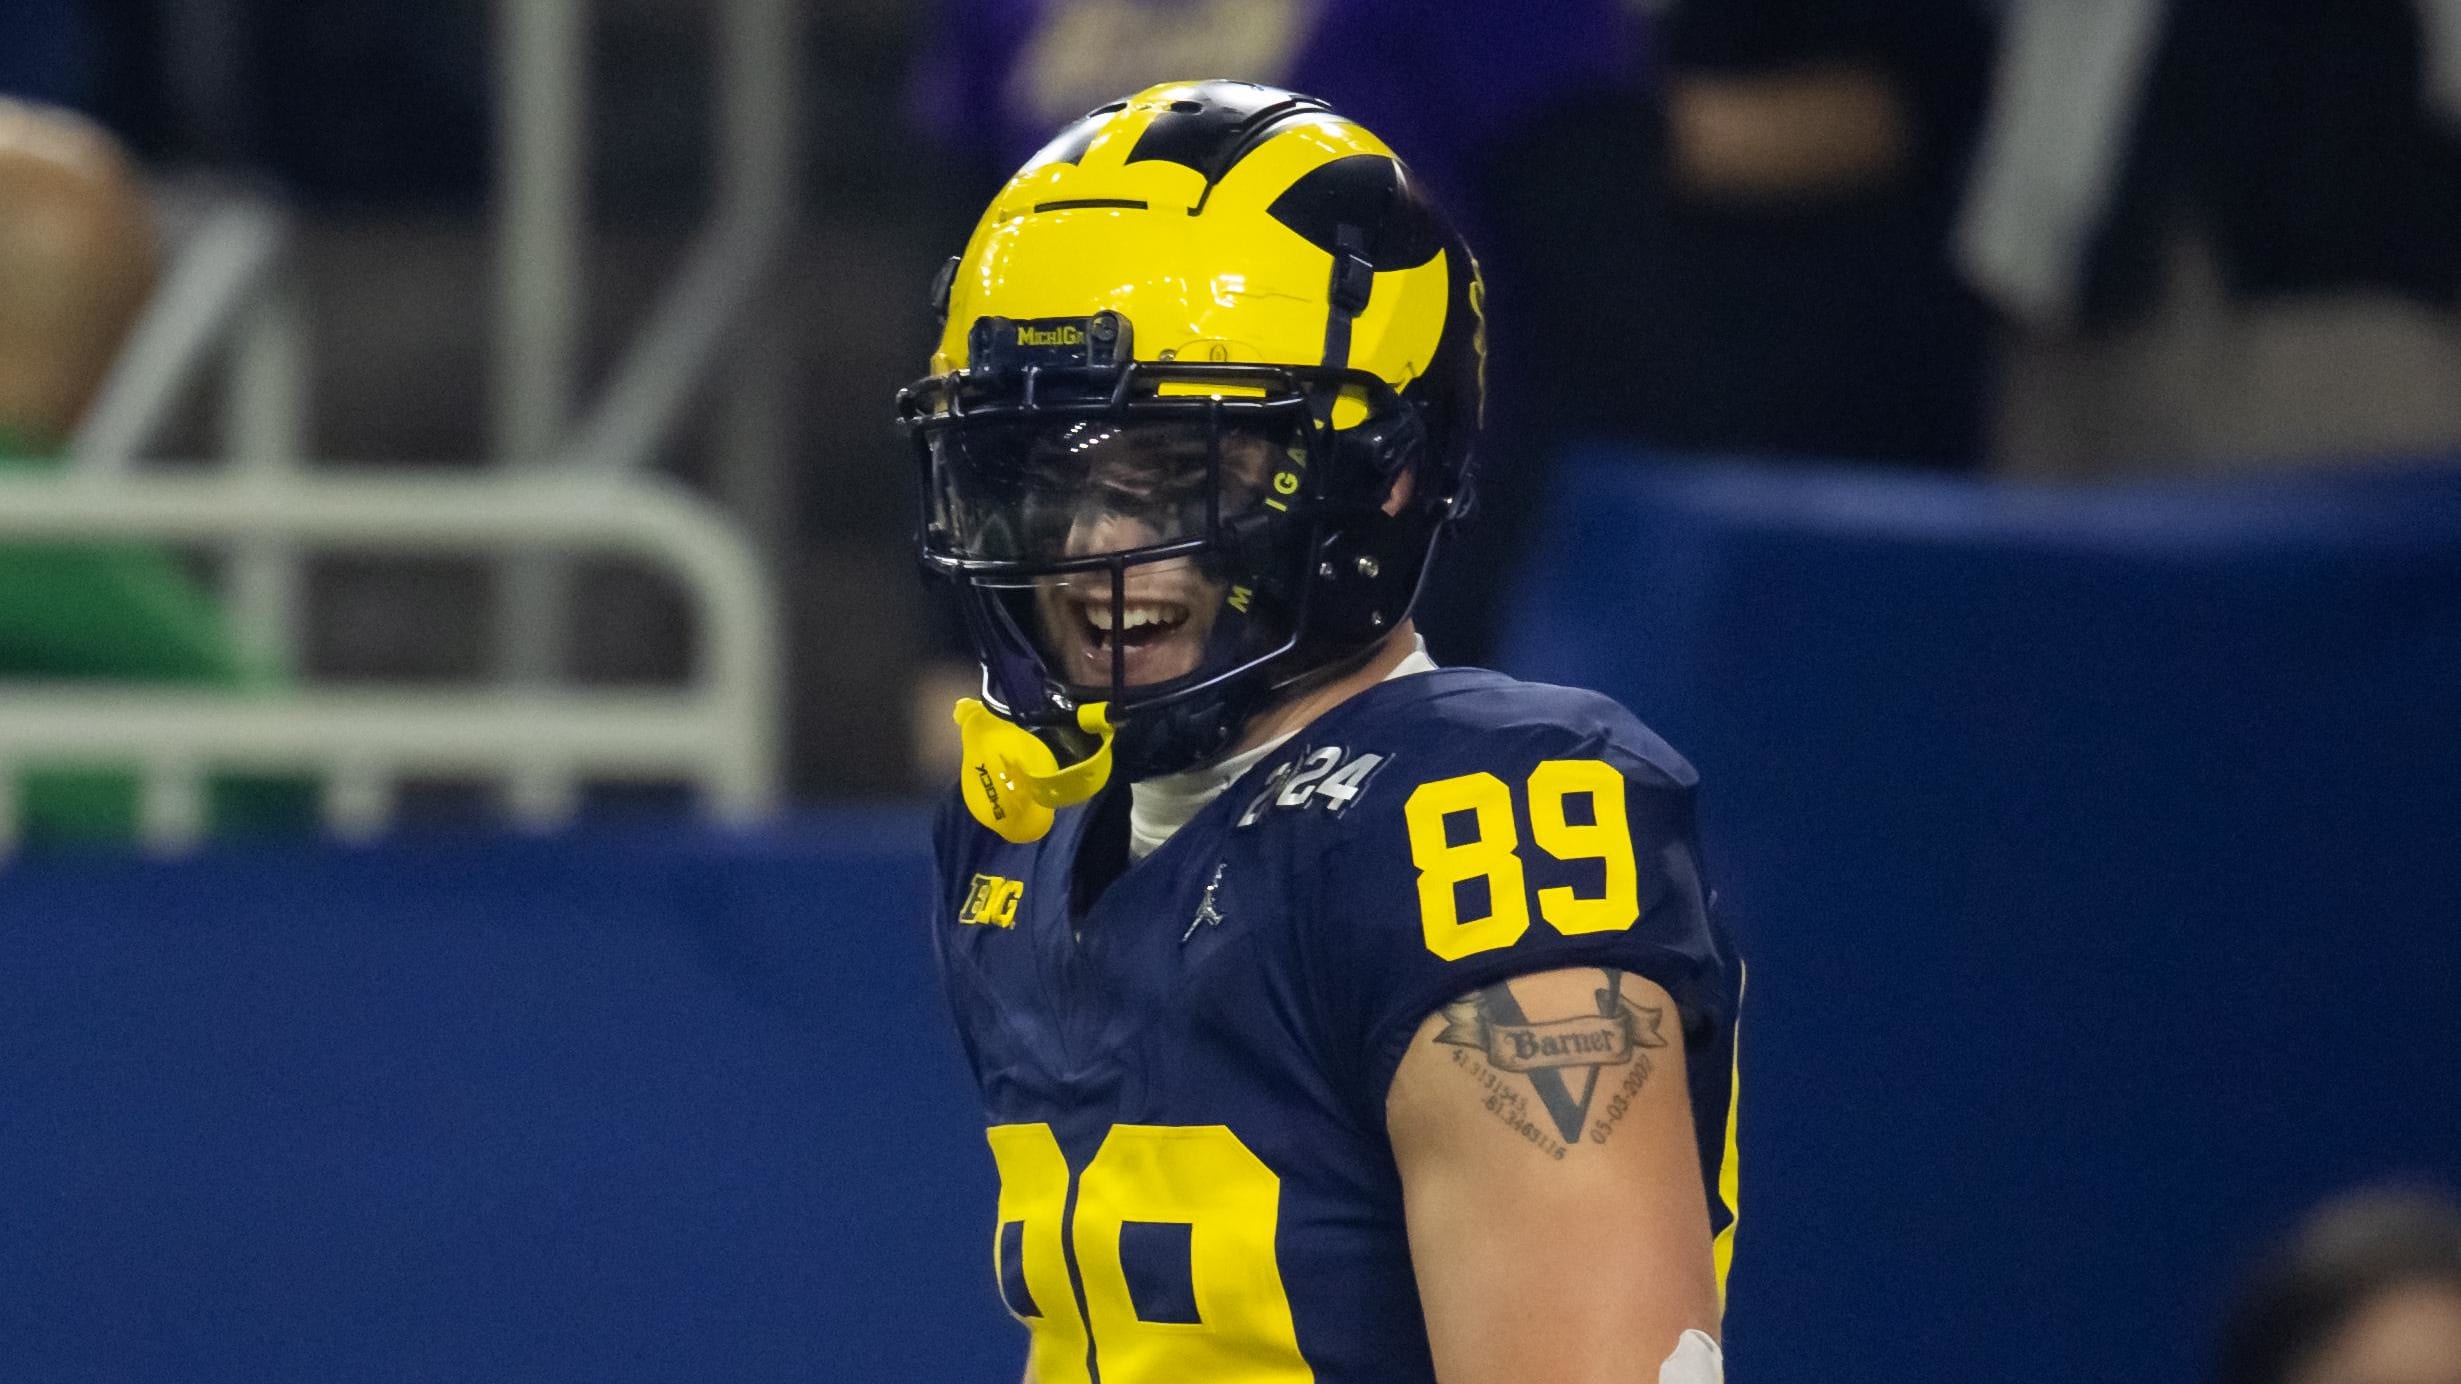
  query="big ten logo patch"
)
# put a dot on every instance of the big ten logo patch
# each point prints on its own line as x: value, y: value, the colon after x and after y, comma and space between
x: 992, y: 901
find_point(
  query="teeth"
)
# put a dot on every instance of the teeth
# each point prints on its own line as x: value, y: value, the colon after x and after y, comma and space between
x: 1137, y: 614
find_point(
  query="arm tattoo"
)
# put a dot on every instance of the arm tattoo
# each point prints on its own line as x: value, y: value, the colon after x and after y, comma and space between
x: 1562, y: 1061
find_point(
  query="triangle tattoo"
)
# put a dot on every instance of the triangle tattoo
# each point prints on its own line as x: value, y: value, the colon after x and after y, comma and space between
x: 1561, y: 1057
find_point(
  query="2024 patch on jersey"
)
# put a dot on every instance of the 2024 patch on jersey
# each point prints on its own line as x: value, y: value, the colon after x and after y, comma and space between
x: 1185, y: 1083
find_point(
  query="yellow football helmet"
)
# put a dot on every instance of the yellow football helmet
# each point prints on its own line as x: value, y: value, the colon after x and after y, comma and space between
x: 1209, y: 376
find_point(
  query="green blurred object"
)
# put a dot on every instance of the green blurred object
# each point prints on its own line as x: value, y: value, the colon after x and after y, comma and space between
x: 122, y: 612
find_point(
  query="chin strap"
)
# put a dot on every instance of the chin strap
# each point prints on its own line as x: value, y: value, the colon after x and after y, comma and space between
x: 1013, y: 782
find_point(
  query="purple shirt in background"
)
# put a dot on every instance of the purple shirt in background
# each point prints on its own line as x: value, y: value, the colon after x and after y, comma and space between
x: 1439, y: 80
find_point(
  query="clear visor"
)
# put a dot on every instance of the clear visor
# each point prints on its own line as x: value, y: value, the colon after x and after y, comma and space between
x: 1055, y: 492
x: 1121, y: 555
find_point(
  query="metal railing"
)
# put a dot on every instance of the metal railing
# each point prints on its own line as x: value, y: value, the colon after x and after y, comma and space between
x: 714, y: 300
x: 225, y: 294
x: 220, y: 270
x: 720, y: 734
x: 568, y: 485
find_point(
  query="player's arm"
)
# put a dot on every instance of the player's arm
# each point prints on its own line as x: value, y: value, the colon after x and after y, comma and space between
x: 1552, y: 1185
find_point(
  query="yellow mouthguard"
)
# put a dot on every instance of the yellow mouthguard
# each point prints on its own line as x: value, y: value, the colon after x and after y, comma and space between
x: 1012, y: 781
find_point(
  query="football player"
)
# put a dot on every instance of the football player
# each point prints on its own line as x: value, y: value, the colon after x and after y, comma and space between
x: 1337, y: 1016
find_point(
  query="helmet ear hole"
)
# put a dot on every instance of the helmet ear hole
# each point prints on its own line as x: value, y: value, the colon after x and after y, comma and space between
x: 1401, y: 464
x: 1401, y: 491
x: 1405, y: 447
x: 1384, y: 455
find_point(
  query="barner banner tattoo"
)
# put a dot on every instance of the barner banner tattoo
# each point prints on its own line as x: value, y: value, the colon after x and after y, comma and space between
x: 1561, y: 1057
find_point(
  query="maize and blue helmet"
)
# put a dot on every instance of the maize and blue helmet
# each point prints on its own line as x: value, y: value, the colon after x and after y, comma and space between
x: 1209, y: 377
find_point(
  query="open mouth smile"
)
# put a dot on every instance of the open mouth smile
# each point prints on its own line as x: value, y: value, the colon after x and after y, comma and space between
x: 1141, y: 624
x: 1153, y: 640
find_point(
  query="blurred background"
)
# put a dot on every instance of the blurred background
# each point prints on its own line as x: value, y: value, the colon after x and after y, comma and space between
x: 469, y: 706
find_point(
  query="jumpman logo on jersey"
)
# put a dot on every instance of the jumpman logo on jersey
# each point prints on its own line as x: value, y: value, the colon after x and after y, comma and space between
x: 1206, y: 914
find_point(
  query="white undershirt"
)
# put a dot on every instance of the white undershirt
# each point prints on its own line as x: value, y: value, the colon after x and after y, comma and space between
x: 1159, y: 806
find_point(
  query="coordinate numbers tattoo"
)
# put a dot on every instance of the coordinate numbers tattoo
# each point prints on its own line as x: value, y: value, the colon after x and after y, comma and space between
x: 1562, y: 1061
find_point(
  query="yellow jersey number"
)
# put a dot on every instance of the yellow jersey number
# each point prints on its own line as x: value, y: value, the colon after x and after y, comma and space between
x: 1490, y: 852
x: 1199, y: 1176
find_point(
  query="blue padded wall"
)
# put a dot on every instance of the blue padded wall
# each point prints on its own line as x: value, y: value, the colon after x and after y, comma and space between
x: 2097, y: 861
x: 672, y: 1107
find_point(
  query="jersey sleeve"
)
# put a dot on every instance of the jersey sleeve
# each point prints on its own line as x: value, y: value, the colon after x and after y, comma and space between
x: 1506, y: 853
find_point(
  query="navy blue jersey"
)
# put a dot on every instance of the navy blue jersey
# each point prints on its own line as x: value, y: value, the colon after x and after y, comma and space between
x: 1185, y: 1075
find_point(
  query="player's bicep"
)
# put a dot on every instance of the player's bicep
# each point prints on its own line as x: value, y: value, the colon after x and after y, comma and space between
x: 1551, y: 1179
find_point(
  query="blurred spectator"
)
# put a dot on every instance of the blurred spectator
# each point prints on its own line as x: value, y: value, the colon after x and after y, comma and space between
x: 2228, y: 231
x: 77, y: 261
x: 78, y: 258
x: 1750, y: 255
x: 2367, y: 1292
